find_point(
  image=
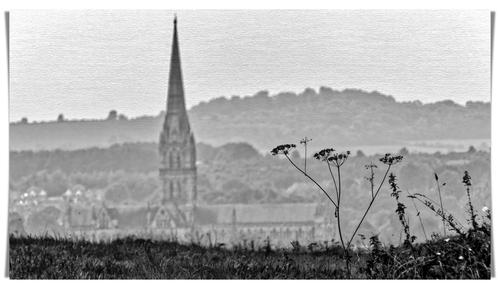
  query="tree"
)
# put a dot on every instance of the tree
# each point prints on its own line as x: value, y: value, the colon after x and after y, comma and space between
x: 112, y: 115
x: 117, y: 193
x: 60, y: 118
x: 404, y: 151
x: 472, y: 150
x: 237, y: 151
x: 360, y: 154
x: 121, y: 116
x: 57, y: 183
x: 24, y: 120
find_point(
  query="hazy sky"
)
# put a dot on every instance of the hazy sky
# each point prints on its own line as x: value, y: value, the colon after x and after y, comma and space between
x: 85, y: 63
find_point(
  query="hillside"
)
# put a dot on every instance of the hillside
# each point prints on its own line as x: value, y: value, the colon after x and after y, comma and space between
x: 349, y: 117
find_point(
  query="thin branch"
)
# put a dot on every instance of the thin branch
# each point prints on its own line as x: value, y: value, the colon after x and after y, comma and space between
x: 372, y: 178
x: 319, y: 186
x: 369, y: 206
x: 338, y: 210
x: 418, y: 215
x: 437, y: 204
x: 334, y: 182
x: 452, y: 223
x: 440, y: 202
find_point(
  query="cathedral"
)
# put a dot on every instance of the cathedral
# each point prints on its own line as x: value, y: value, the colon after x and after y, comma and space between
x: 226, y: 223
x: 177, y: 153
x: 175, y: 213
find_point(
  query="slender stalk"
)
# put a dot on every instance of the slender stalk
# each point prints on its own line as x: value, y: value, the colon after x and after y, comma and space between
x: 304, y: 141
x: 471, y: 209
x: 443, y: 214
x: 369, y: 206
x: 309, y: 177
x: 440, y: 203
x: 452, y: 222
x: 305, y: 155
x: 419, y: 217
x: 346, y: 250
x: 333, y: 179
x: 372, y: 177
x: 338, y: 210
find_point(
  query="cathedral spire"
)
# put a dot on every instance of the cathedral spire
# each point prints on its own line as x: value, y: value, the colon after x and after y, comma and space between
x: 177, y: 145
x: 175, y: 101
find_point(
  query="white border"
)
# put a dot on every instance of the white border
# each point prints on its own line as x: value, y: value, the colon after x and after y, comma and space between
x: 255, y: 4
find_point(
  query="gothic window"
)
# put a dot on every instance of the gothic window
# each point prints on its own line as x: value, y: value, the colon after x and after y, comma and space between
x: 162, y: 220
x: 178, y: 161
x: 171, y: 190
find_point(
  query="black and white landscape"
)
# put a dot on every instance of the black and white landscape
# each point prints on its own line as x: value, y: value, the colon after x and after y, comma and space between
x: 348, y: 144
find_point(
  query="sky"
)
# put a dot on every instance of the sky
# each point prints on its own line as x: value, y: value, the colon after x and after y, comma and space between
x: 84, y: 63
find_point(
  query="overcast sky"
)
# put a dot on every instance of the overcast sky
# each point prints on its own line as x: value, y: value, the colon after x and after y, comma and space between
x: 85, y: 63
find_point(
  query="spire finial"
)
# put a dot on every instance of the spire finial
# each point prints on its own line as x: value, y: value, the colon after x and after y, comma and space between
x: 175, y: 18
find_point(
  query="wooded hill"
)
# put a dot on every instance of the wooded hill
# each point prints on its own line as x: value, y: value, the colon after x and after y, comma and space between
x: 343, y: 118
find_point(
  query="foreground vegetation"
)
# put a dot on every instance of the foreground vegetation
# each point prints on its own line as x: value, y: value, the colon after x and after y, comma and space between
x: 459, y: 257
x: 461, y: 252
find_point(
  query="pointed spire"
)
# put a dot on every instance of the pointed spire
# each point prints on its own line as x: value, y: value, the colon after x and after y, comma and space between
x: 175, y: 101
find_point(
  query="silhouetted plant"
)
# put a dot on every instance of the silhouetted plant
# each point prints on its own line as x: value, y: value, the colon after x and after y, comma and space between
x: 446, y: 216
x: 400, y: 211
x: 419, y: 216
x: 440, y: 201
x: 449, y: 219
x: 466, y: 180
x: 334, y: 161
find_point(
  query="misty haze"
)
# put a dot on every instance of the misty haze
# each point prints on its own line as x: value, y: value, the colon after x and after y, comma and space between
x: 345, y: 143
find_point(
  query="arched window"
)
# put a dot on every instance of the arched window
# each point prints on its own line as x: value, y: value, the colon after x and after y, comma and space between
x: 178, y: 161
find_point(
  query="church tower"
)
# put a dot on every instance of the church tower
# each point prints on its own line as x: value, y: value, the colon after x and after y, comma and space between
x: 177, y: 146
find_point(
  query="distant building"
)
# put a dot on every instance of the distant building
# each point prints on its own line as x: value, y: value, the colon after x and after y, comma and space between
x: 175, y: 213
x: 177, y: 154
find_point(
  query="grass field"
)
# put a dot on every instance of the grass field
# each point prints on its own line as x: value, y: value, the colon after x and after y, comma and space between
x: 459, y: 257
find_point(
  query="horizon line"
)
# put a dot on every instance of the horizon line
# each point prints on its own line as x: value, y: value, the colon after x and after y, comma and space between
x: 270, y: 95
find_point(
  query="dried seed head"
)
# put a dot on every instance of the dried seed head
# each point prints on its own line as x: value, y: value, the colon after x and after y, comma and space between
x: 283, y: 149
